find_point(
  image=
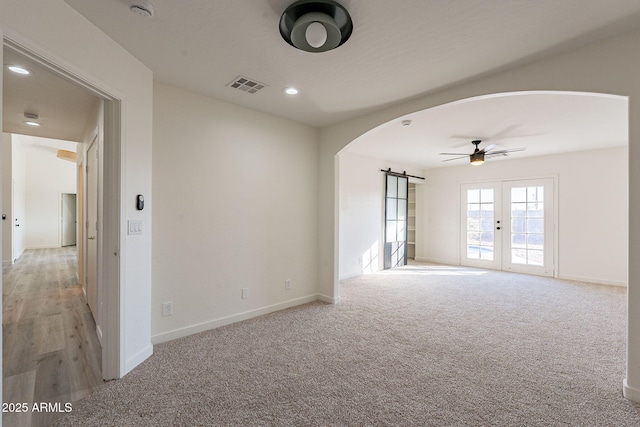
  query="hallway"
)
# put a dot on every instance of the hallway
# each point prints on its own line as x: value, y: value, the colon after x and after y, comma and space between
x: 51, y: 353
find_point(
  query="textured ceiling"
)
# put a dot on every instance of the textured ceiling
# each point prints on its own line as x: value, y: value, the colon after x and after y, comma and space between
x: 398, y: 49
x: 63, y: 108
x: 542, y: 123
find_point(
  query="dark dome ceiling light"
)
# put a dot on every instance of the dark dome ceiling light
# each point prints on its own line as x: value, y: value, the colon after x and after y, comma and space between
x: 316, y: 25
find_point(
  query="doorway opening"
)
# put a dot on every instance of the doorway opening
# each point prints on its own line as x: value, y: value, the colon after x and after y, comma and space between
x: 68, y: 219
x: 105, y: 122
x: 509, y: 225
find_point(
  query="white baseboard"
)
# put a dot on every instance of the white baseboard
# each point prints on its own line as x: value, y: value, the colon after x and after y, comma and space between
x: 350, y: 276
x: 631, y: 393
x: 216, y: 323
x: 43, y: 247
x: 594, y: 280
x: 137, y: 359
x: 328, y: 300
x: 438, y: 261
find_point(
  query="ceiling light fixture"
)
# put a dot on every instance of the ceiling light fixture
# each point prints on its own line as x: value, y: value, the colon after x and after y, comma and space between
x: 291, y: 91
x: 32, y: 123
x: 19, y: 70
x: 316, y: 26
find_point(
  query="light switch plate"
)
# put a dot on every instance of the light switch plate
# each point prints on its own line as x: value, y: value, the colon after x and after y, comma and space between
x: 135, y: 226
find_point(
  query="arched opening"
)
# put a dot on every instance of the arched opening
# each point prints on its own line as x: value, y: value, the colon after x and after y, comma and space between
x: 564, y: 135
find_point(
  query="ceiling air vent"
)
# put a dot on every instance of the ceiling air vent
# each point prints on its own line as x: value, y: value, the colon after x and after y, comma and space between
x: 246, y: 85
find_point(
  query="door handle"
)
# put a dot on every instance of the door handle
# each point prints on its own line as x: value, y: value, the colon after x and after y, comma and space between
x: 17, y: 225
x: 91, y: 238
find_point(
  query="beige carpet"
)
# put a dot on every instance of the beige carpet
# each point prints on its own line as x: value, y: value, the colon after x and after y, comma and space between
x: 421, y: 346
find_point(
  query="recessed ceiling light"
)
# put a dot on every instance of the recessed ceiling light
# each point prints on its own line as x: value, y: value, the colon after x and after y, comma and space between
x: 291, y: 91
x: 31, y: 119
x: 19, y: 70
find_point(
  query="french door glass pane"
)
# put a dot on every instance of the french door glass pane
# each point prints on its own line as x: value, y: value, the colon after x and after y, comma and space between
x: 527, y: 225
x: 486, y: 195
x: 480, y: 220
x: 486, y: 253
x: 518, y: 225
x: 518, y: 195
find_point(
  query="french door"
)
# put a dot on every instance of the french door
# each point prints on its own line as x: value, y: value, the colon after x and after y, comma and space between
x: 509, y: 226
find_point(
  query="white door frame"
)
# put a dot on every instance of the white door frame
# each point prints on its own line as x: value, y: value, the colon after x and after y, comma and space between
x: 92, y: 244
x: 503, y: 215
x: 550, y: 220
x: 109, y: 194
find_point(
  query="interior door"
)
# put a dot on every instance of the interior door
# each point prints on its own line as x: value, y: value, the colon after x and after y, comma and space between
x: 91, y: 281
x: 508, y: 226
x: 395, y: 244
x: 18, y: 214
x: 68, y: 219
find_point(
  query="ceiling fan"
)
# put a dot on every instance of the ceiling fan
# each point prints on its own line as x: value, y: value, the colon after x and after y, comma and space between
x: 478, y: 155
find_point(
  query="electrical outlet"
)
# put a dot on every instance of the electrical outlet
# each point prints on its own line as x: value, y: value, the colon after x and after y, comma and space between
x: 245, y: 293
x: 167, y: 308
x: 287, y: 284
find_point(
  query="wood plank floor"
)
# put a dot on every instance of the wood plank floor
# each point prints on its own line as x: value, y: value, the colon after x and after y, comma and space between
x: 51, y: 352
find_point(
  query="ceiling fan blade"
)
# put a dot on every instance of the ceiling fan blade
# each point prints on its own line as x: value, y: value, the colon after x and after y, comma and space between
x: 507, y: 150
x: 457, y: 158
x: 489, y: 148
x: 466, y: 140
x: 453, y: 154
x: 495, y: 154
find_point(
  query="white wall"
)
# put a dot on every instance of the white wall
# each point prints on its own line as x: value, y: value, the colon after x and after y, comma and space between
x: 46, y: 178
x: 235, y: 206
x: 61, y: 35
x: 361, y: 212
x: 593, y: 221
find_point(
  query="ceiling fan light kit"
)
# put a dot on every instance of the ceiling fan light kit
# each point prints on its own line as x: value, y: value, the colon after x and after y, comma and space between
x: 478, y: 156
x: 316, y: 25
